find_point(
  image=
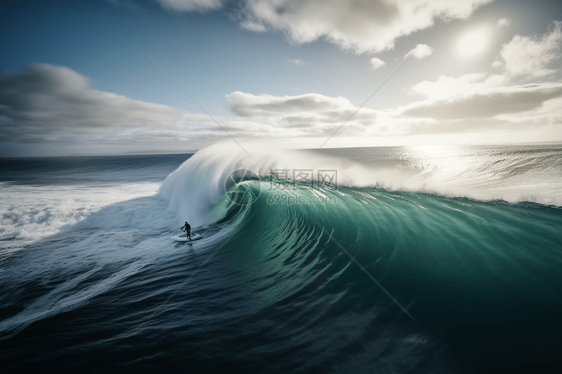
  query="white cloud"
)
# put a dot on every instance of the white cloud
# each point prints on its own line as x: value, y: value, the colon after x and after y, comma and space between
x: 530, y: 56
x: 420, y: 51
x: 56, y: 106
x: 489, y: 103
x: 190, y: 5
x: 297, y: 62
x: 253, y: 26
x: 450, y: 88
x: 249, y: 105
x: 310, y: 114
x: 469, y: 103
x: 481, y: 102
x: 49, y: 104
x: 503, y: 22
x: 497, y: 100
x: 357, y: 25
x: 377, y: 63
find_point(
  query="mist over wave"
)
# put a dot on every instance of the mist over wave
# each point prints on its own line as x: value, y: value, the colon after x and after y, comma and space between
x: 514, y: 175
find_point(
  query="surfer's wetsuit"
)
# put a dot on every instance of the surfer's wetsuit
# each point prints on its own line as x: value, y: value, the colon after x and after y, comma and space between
x: 187, y: 228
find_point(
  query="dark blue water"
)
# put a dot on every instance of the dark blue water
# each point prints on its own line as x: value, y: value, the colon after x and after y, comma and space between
x: 93, y: 169
x: 382, y: 277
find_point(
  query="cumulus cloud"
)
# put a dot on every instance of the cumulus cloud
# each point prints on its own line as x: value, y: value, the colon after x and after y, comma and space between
x: 357, y: 25
x: 249, y: 105
x: 312, y: 114
x: 51, y: 103
x: 376, y: 63
x: 190, y: 5
x: 531, y: 56
x: 420, y: 51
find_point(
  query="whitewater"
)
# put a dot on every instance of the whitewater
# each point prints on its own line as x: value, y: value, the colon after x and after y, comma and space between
x: 465, y: 238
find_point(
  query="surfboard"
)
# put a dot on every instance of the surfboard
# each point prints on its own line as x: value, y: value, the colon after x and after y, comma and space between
x: 182, y: 238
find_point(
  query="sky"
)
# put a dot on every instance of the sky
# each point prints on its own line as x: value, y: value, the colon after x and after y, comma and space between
x: 119, y: 76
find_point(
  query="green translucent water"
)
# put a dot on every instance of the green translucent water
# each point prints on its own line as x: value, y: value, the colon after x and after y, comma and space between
x: 481, y: 278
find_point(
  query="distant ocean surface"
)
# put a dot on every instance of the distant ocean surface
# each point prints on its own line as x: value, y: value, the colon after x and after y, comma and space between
x: 443, y: 259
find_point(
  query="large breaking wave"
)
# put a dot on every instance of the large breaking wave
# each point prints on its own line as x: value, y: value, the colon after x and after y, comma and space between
x: 515, y: 176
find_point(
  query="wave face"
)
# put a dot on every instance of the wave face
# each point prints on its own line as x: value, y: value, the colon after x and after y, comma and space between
x: 304, y: 278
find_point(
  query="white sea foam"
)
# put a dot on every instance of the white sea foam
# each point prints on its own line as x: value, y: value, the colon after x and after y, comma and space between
x: 29, y: 213
x: 198, y: 184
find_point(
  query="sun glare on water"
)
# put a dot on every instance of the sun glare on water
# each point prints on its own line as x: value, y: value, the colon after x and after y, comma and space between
x: 472, y: 43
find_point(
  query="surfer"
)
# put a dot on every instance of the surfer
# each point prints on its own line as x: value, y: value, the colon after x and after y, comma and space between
x: 187, y: 229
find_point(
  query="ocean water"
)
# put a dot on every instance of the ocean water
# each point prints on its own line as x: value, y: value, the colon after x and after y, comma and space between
x: 443, y: 259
